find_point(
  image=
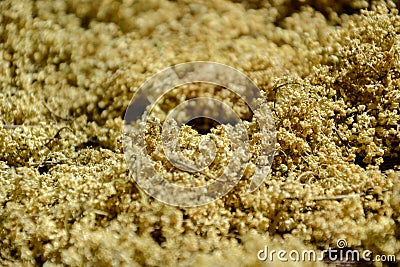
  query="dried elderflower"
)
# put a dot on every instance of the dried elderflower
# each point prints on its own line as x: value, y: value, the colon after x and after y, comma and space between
x: 329, y: 71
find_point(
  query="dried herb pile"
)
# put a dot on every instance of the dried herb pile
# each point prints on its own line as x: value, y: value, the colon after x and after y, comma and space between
x: 68, y: 69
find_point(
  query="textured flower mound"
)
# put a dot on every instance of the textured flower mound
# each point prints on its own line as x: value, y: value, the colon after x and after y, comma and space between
x: 330, y: 73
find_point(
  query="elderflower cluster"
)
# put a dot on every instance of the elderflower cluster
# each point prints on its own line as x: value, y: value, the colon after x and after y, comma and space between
x: 329, y: 71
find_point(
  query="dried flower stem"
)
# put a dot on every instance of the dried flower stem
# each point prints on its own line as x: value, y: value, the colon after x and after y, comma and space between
x: 10, y: 126
x: 53, y: 113
x: 193, y: 169
x: 337, y: 197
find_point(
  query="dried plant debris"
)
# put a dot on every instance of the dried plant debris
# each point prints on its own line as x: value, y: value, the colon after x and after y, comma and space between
x: 329, y: 70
